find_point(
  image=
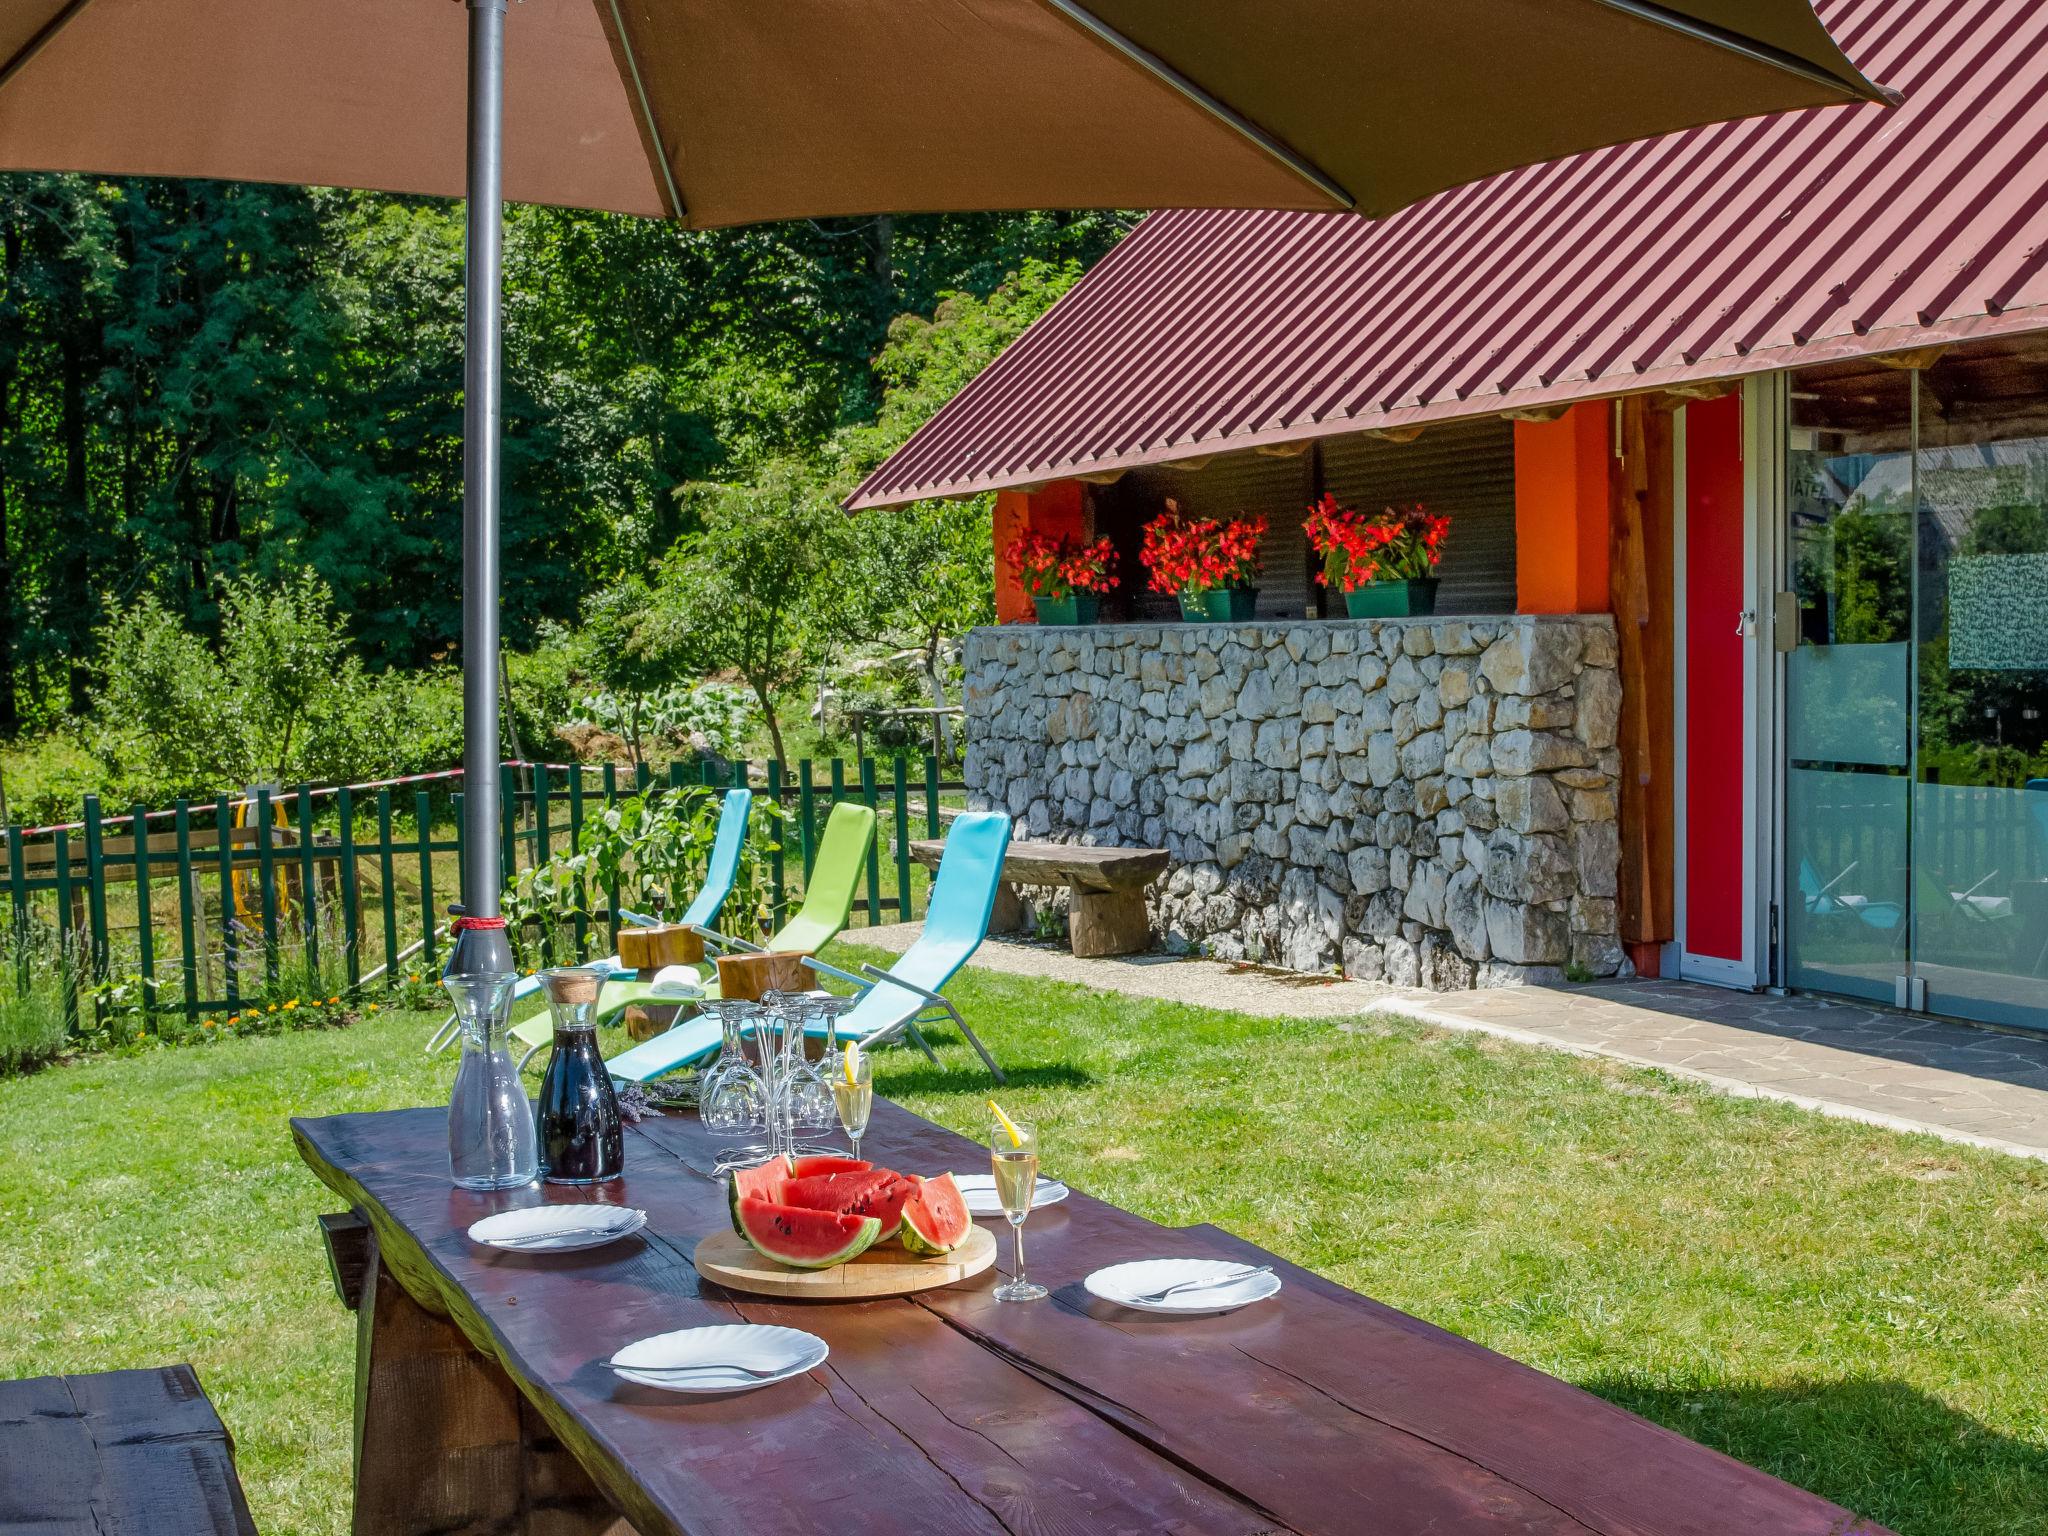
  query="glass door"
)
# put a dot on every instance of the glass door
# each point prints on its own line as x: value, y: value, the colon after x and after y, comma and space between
x: 1848, y: 682
x: 1916, y: 697
x: 1980, y: 773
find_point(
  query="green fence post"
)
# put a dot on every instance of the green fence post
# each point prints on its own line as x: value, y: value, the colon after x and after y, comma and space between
x: 582, y: 920
x: 17, y: 892
x: 67, y: 936
x: 309, y: 882
x: 931, y: 797
x: 705, y: 775
x: 508, y: 832
x: 611, y: 890
x: 868, y: 799
x: 266, y: 880
x: 189, y: 966
x: 351, y: 897
x: 230, y: 924
x: 96, y: 888
x: 424, y: 809
x: 145, y: 924
x: 387, y: 883
x: 775, y: 830
x: 642, y: 777
x: 806, y: 818
x: 901, y: 795
x: 541, y: 851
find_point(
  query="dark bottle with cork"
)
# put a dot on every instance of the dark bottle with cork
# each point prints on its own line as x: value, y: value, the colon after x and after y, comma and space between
x: 577, y: 1116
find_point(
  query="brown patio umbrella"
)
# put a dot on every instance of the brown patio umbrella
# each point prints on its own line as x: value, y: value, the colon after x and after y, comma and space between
x: 722, y: 112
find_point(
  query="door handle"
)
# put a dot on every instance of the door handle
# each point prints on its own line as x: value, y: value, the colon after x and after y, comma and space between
x: 1745, y: 622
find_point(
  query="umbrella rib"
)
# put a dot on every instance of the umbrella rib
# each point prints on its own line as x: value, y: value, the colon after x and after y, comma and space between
x: 1744, y: 47
x: 1172, y: 78
x: 668, y: 175
x: 45, y: 35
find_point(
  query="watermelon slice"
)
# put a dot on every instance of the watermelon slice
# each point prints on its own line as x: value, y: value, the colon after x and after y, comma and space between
x: 763, y: 1182
x: 878, y: 1193
x: 805, y: 1239
x: 812, y: 1167
x: 935, y: 1218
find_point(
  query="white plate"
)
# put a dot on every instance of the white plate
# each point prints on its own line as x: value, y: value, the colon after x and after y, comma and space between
x: 557, y: 1228
x: 712, y: 1357
x: 979, y: 1191
x: 1121, y: 1283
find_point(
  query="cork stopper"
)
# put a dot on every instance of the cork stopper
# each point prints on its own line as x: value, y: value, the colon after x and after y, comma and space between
x: 572, y: 984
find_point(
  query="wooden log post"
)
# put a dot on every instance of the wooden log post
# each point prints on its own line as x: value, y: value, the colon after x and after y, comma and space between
x: 445, y: 1445
x: 1641, y: 531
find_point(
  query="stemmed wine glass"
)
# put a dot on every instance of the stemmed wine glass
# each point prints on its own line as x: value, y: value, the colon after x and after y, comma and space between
x: 733, y: 1098
x: 1013, y: 1150
x: 853, y: 1092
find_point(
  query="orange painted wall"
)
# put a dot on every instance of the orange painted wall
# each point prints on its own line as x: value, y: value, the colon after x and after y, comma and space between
x: 1059, y: 508
x: 1561, y: 512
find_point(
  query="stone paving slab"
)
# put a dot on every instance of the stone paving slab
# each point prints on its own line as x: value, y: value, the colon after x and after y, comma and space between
x: 1860, y: 1062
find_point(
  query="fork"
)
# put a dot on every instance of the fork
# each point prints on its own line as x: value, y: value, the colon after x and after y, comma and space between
x: 758, y: 1373
x: 1207, y: 1283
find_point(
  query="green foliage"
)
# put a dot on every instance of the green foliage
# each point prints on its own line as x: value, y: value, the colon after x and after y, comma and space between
x: 712, y: 719
x: 36, y: 971
x: 280, y: 700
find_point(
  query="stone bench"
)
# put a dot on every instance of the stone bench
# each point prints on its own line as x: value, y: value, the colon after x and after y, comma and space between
x: 118, y: 1451
x: 1107, y: 886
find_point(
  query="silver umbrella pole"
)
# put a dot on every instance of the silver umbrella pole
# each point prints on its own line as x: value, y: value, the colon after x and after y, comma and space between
x: 482, y: 950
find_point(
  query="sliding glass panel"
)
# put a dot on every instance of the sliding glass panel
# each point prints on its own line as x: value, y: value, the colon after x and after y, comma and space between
x: 1980, y: 800
x: 1848, y: 684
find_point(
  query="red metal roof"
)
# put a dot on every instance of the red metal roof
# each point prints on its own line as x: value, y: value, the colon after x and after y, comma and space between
x: 1707, y: 254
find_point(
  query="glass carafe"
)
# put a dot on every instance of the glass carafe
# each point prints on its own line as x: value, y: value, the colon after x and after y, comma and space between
x: 577, y: 1117
x: 490, y: 1125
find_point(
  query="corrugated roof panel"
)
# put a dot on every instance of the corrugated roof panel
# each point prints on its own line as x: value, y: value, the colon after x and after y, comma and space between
x: 1725, y: 250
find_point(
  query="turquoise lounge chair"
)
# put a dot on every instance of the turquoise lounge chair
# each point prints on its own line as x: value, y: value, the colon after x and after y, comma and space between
x: 909, y: 992
x: 963, y: 898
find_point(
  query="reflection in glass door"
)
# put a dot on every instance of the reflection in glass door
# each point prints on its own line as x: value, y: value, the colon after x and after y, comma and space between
x: 1980, y: 782
x: 1848, y: 683
x: 1916, y: 699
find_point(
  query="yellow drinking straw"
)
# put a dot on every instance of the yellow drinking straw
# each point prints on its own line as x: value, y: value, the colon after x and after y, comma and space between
x: 851, y: 1047
x: 1016, y: 1136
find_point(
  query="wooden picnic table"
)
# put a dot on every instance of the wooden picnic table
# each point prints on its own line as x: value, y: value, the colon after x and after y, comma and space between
x: 1106, y: 914
x: 483, y: 1400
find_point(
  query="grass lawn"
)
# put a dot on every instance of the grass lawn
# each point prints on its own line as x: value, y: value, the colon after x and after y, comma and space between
x: 1862, y: 1313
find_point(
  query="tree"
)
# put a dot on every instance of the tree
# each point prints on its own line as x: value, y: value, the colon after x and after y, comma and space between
x: 927, y: 574
x: 766, y: 585
x: 630, y: 651
x: 280, y: 700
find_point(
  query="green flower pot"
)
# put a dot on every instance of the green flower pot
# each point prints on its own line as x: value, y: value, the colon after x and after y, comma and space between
x: 1233, y: 604
x: 1392, y: 599
x: 1194, y: 607
x: 1074, y: 608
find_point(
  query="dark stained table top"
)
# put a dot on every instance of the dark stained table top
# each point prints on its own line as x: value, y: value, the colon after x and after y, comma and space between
x: 1320, y: 1412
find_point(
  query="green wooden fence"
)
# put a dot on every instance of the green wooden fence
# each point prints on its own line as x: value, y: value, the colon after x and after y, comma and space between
x: 221, y: 901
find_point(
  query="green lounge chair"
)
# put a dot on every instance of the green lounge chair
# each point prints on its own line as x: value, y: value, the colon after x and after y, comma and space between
x: 828, y: 902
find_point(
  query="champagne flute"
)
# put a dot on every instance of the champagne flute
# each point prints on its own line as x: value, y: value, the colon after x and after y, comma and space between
x: 1013, y: 1153
x: 853, y: 1091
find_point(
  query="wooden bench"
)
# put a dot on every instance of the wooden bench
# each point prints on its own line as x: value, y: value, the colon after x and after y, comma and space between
x: 1108, y: 914
x: 120, y: 1451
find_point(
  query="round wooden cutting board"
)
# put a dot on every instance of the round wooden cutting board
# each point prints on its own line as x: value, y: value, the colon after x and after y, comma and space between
x: 884, y: 1270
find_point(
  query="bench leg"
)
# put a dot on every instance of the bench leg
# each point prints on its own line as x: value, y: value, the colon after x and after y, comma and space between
x: 1009, y: 914
x: 445, y: 1445
x: 1108, y: 922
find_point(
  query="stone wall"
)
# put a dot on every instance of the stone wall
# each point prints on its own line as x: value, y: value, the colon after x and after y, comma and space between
x: 1426, y: 801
